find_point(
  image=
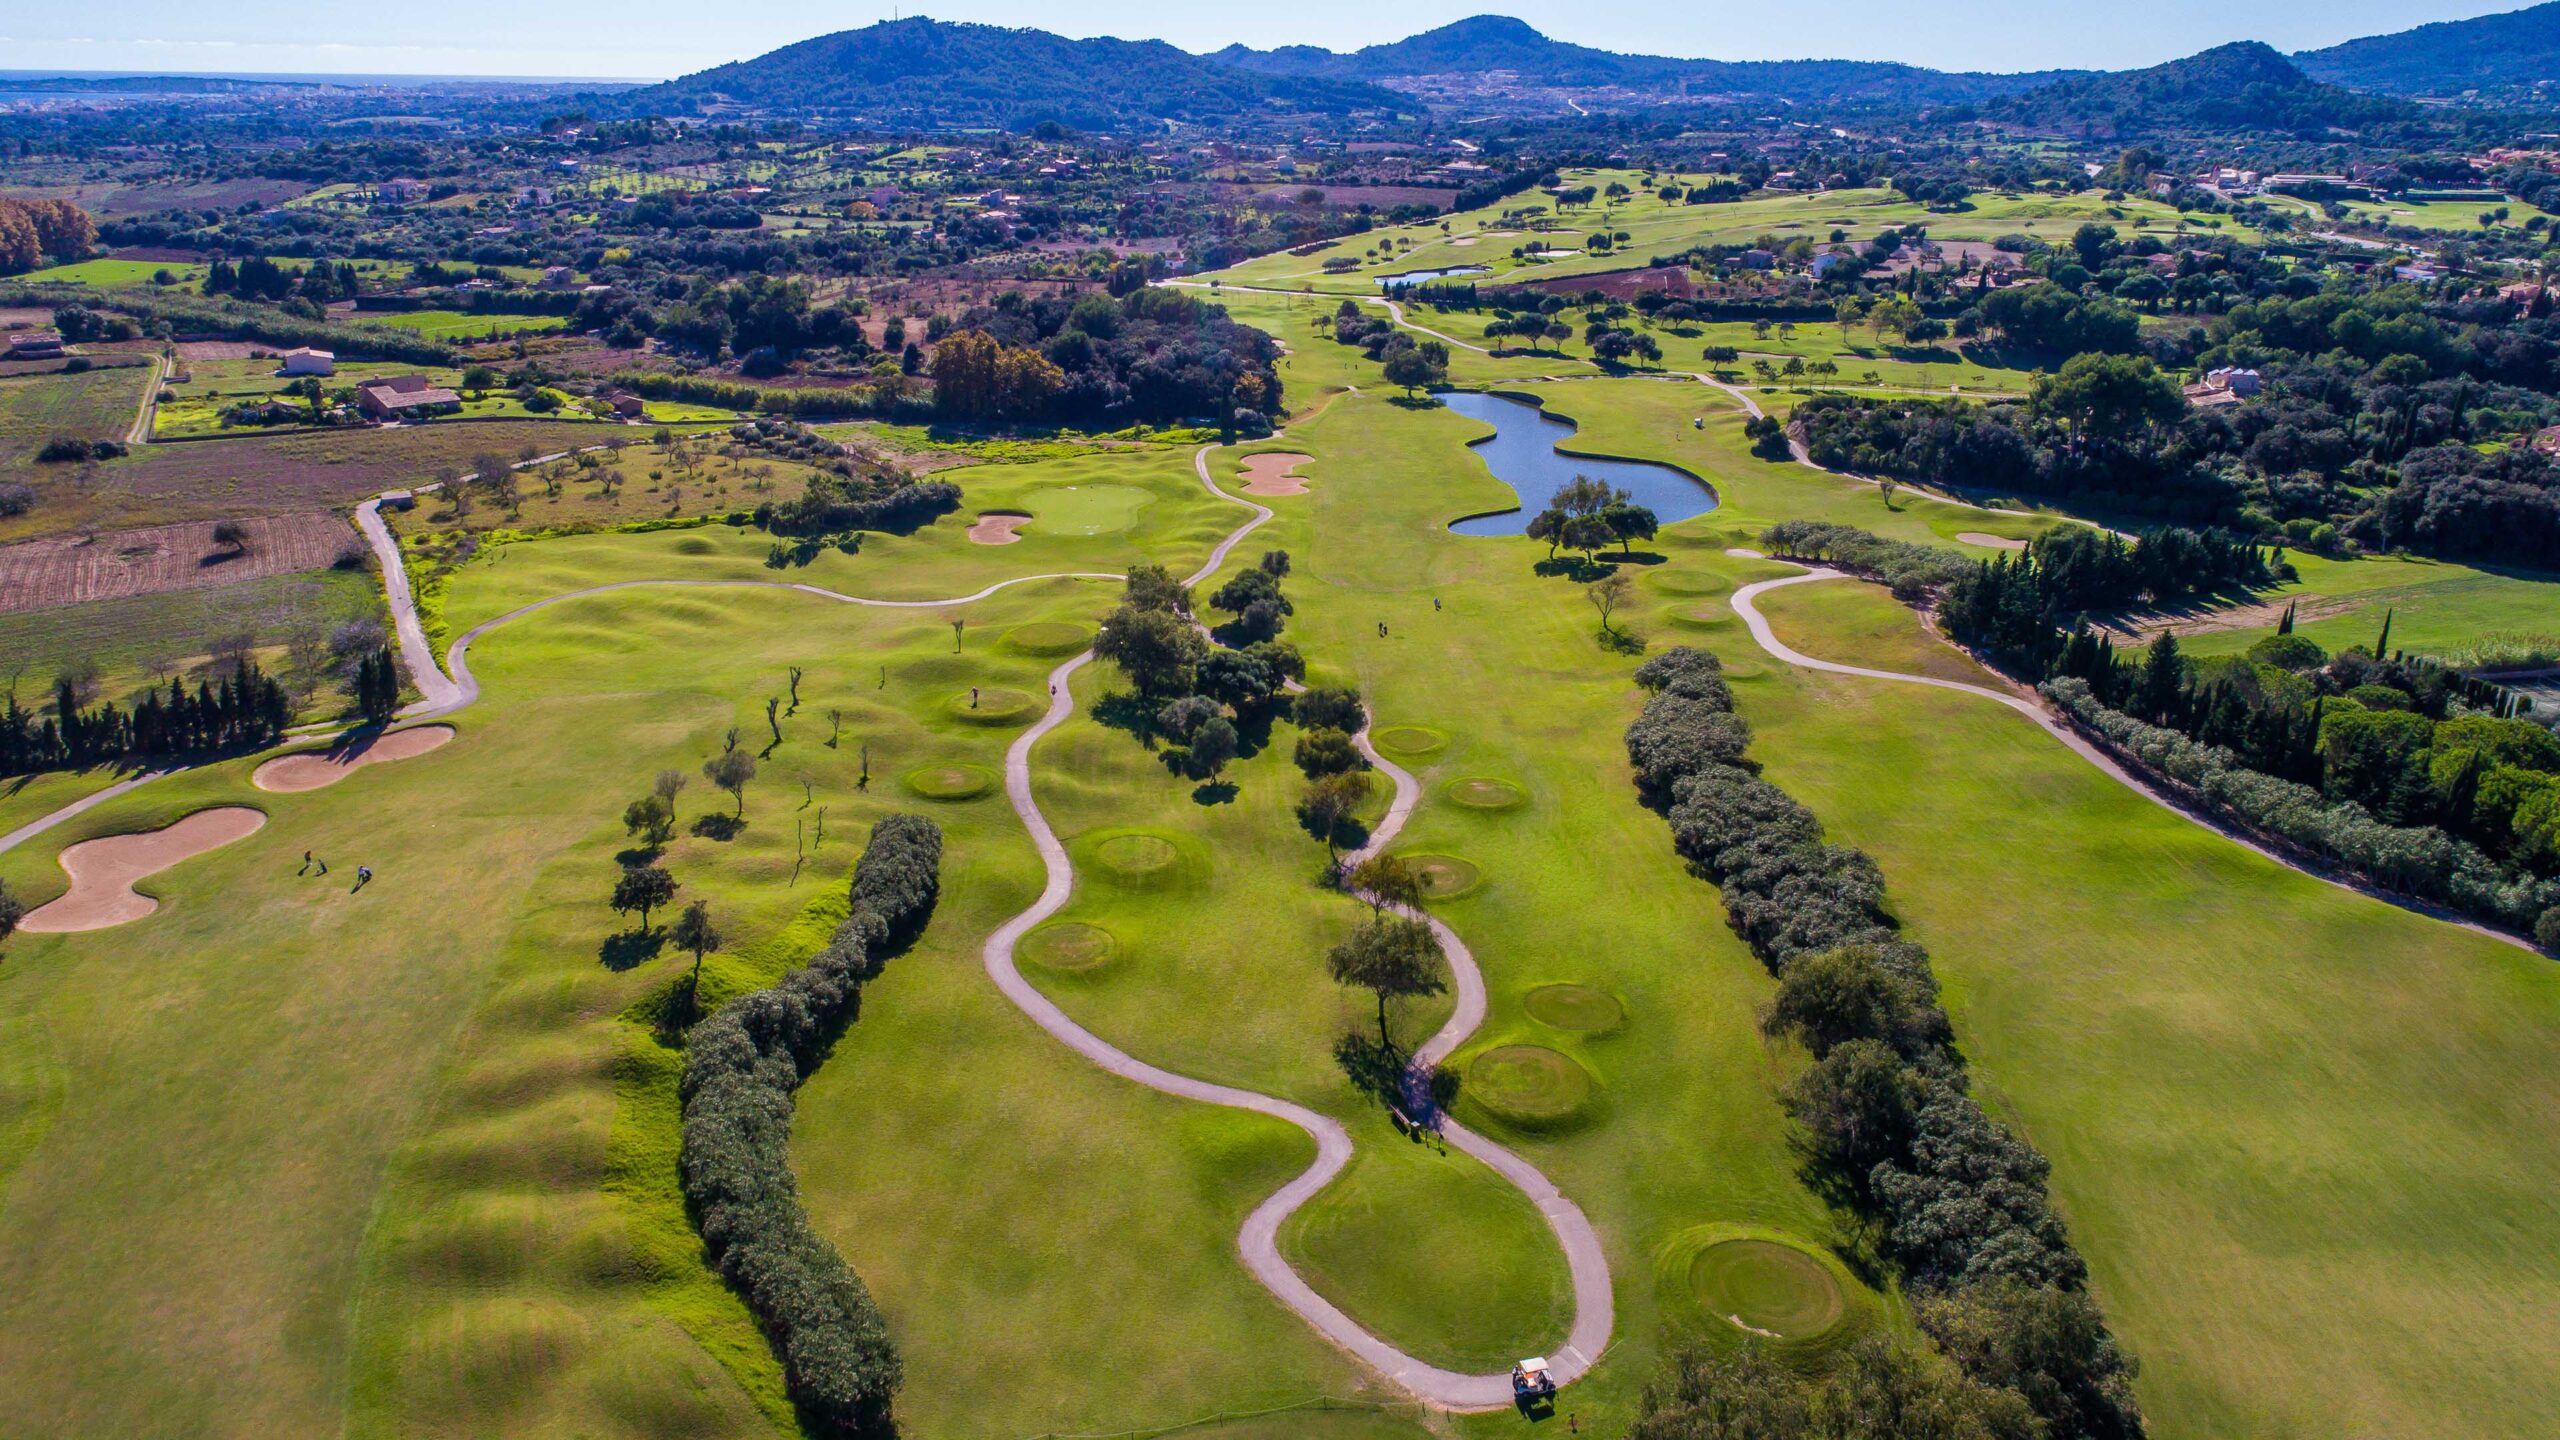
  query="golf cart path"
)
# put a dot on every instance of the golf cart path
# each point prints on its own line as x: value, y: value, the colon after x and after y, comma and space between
x: 2080, y: 745
x: 1259, y: 1240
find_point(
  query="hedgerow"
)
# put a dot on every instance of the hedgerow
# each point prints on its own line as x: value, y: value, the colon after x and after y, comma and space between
x: 1959, y: 1200
x: 742, y: 1066
x: 2419, y: 860
x: 1911, y: 570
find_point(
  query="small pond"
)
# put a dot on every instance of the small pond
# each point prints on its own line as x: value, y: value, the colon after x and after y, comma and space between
x: 1417, y: 277
x: 1522, y: 454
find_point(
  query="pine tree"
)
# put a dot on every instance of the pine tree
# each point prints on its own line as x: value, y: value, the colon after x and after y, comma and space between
x: 2382, y: 645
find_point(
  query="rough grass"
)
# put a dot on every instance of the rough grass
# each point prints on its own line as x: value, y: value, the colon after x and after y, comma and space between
x: 94, y: 405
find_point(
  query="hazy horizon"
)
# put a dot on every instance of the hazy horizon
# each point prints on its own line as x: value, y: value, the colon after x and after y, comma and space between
x: 583, y: 40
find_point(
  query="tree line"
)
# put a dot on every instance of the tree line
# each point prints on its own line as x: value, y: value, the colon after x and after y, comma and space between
x: 244, y: 710
x: 742, y: 1066
x: 1886, y: 1119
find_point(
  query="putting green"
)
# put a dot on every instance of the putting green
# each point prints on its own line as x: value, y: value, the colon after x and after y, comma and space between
x: 1528, y: 1086
x: 1069, y: 945
x: 1767, y: 1288
x: 1483, y: 792
x: 1409, y: 740
x: 1047, y: 637
x: 951, y: 782
x: 994, y: 706
x: 1688, y: 582
x: 1445, y: 877
x: 1575, y: 1007
x: 1090, y: 509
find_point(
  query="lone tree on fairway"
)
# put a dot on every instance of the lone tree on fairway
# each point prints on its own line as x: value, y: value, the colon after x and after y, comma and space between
x: 649, y: 818
x: 11, y: 909
x: 694, y: 931
x: 1387, y: 882
x: 730, y: 770
x: 1329, y: 803
x: 1157, y: 649
x: 670, y: 784
x: 643, y: 888
x: 1393, y: 958
x: 1607, y: 594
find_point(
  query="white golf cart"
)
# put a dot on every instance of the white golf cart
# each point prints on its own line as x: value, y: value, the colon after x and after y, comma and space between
x: 1531, y: 1382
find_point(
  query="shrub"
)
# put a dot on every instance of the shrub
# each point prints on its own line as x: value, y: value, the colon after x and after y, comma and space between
x: 1911, y: 570
x: 741, y: 1067
x: 16, y: 499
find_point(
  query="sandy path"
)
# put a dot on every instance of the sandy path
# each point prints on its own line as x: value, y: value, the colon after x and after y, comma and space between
x: 315, y: 769
x: 1274, y: 472
x: 2080, y: 745
x: 997, y: 528
x: 1991, y: 542
x: 103, y: 871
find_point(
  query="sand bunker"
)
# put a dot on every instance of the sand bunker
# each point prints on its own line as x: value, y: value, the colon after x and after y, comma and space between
x: 1274, y: 474
x: 998, y: 527
x: 103, y: 871
x: 314, y: 769
x: 1741, y: 553
x: 1991, y: 542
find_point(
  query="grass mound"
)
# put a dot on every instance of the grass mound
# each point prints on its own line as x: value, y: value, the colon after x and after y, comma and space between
x: 695, y: 545
x: 1409, y: 740
x: 996, y: 706
x: 1047, y: 637
x: 1749, y: 1284
x: 1575, y: 1007
x: 1483, y: 792
x: 1687, y: 582
x: 1528, y: 1086
x: 1445, y: 877
x: 1140, y: 859
x: 1774, y: 1291
x: 951, y: 782
x: 1069, y: 945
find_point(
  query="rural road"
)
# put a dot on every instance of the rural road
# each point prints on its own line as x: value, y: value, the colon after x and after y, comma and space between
x: 2080, y: 745
x: 139, y: 432
x: 1259, y: 1240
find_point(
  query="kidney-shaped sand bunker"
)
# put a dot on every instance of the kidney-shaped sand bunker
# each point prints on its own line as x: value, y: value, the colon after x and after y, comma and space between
x: 103, y: 871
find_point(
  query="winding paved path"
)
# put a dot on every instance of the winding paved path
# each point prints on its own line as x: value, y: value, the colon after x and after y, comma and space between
x: 1259, y: 1241
x: 2080, y: 745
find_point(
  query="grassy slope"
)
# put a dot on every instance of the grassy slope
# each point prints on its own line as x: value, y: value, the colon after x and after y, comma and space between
x: 2436, y: 606
x: 2305, y: 1139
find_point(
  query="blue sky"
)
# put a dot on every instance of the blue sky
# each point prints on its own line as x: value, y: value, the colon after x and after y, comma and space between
x: 655, y: 38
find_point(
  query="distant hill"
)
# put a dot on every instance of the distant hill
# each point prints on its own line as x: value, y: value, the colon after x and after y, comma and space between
x: 2501, y: 56
x: 2244, y: 86
x: 1494, y: 56
x: 927, y: 72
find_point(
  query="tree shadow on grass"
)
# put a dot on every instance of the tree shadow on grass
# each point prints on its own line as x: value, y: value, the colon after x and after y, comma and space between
x: 624, y: 949
x: 639, y: 855
x: 1575, y: 568
x: 1217, y: 792
x: 1132, y: 712
x: 716, y: 826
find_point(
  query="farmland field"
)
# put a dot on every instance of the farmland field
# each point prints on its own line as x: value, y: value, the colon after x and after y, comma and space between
x: 266, y: 475
x: 458, y: 326
x: 95, y: 405
x: 70, y: 570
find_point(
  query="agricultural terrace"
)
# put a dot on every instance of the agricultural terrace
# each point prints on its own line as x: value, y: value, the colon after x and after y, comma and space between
x: 1556, y: 242
x: 2197, y: 1037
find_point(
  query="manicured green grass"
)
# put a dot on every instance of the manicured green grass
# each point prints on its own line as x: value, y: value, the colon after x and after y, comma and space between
x: 1659, y: 228
x: 113, y: 274
x: 2437, y: 607
x: 460, y: 325
x: 2304, y: 1139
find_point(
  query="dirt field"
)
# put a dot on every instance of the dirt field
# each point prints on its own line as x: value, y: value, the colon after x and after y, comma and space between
x: 269, y: 474
x: 71, y: 569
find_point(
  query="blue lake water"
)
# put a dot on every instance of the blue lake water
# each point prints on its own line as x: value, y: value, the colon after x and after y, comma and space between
x: 1522, y: 454
x: 1417, y: 277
